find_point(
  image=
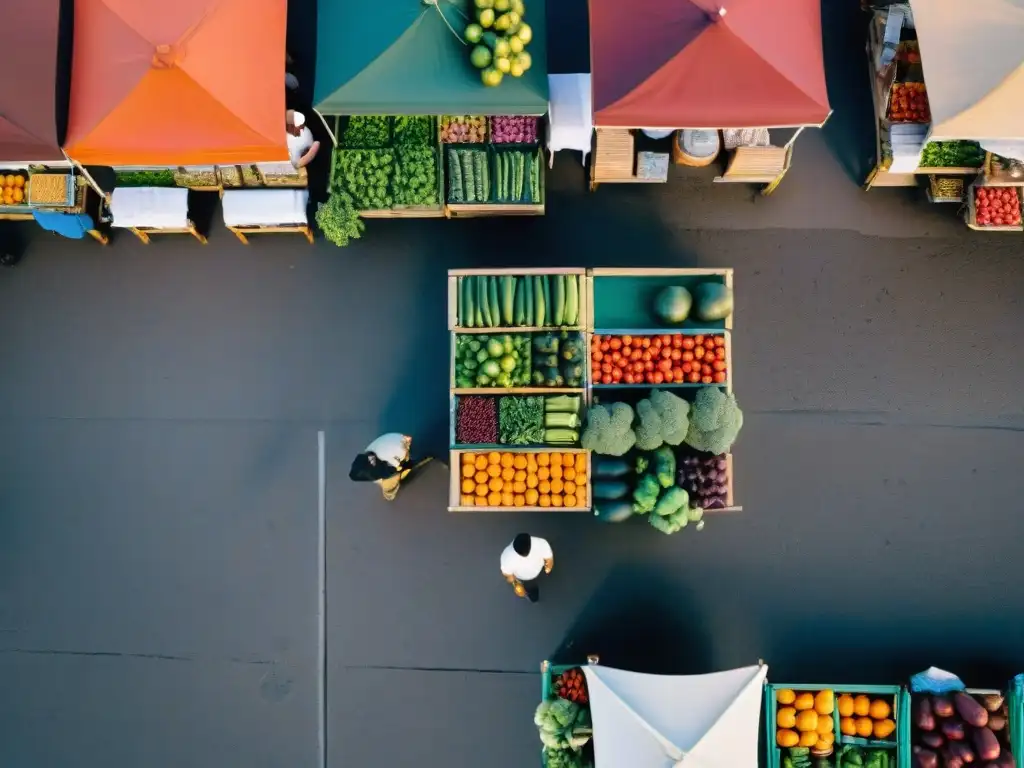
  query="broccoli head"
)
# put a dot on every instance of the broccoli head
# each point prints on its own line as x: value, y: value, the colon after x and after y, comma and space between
x: 715, y: 421
x: 609, y: 430
x: 645, y: 495
x: 663, y: 419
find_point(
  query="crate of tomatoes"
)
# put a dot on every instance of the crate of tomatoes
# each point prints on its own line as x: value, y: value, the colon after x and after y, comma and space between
x: 669, y: 359
x: 908, y: 103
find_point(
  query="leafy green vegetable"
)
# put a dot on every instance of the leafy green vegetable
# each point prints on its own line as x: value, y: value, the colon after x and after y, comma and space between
x: 952, y: 154
x: 415, y: 179
x: 339, y: 220
x: 366, y: 175
x: 521, y: 420
x: 367, y: 132
x: 162, y: 178
x: 414, y: 130
x: 563, y: 724
x: 645, y: 495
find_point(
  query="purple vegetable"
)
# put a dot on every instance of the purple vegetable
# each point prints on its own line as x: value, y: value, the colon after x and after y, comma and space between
x: 476, y: 420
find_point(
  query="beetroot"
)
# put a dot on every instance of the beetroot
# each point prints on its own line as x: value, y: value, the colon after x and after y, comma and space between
x: 476, y: 420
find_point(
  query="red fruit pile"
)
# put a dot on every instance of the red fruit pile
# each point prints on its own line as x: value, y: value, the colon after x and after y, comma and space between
x: 909, y: 104
x: 997, y: 206
x: 571, y: 685
x: 671, y: 358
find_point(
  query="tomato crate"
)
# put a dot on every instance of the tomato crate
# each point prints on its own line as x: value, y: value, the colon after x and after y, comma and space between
x: 971, y: 213
x: 894, y: 700
x: 683, y: 341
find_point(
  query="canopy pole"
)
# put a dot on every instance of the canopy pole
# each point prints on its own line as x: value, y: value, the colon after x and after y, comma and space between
x: 330, y: 133
x: 88, y: 177
x: 789, y: 144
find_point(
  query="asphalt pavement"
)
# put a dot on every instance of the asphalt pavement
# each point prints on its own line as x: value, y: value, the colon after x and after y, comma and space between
x: 159, y: 521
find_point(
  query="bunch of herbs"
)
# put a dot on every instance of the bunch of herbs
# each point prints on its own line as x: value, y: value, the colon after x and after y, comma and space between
x: 339, y: 220
x: 415, y: 180
x: 952, y: 154
x: 521, y: 420
x: 366, y: 175
x: 414, y: 130
x: 367, y: 132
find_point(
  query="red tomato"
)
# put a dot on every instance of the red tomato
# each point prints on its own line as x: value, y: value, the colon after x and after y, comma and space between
x: 666, y: 352
x: 638, y: 367
x: 616, y: 356
x: 720, y: 353
x: 693, y: 378
x: 627, y: 340
x: 626, y: 350
x: 617, y: 374
x: 615, y: 343
x: 665, y: 366
x: 645, y: 342
x: 706, y: 379
x: 698, y: 353
x: 678, y: 376
x: 718, y: 365
x: 657, y: 377
x: 687, y: 356
x: 598, y: 356
x: 719, y: 378
x: 676, y: 353
x: 719, y: 341
x: 686, y: 367
x: 648, y: 365
x: 606, y: 367
x: 666, y: 338
x: 706, y: 370
x: 688, y: 342
x: 606, y: 379
x: 628, y: 378
x: 698, y: 339
x: 677, y: 341
x: 637, y: 355
x: 605, y: 346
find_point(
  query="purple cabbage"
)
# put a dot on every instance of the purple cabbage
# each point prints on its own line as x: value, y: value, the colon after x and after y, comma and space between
x: 512, y: 129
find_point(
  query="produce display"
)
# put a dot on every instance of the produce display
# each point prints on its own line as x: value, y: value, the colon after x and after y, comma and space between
x: 667, y: 358
x: 526, y: 479
x: 367, y: 132
x: 469, y: 176
x: 908, y: 103
x: 709, y: 302
x: 463, y: 129
x: 513, y: 129
x: 706, y: 479
x: 558, y: 360
x: 196, y: 177
x: 499, y: 36
x: 518, y: 420
x: 482, y: 360
x: 163, y: 178
x: 866, y: 717
x: 508, y: 301
x: 960, y: 728
x: 804, y: 721
x: 565, y: 730
x: 946, y: 188
x: 365, y: 174
x: 571, y: 685
x: 997, y: 206
x: 415, y: 176
x: 952, y: 154
x: 516, y: 176
x: 12, y: 188
x: 413, y: 131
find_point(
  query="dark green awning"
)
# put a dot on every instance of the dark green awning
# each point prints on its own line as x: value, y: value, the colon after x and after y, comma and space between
x: 399, y: 57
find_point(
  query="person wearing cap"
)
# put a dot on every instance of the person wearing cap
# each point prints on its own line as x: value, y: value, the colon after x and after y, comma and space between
x: 302, y: 148
x: 522, y: 563
x: 386, y: 461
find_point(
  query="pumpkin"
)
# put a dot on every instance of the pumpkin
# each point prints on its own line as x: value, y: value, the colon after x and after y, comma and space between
x: 824, y: 702
x: 786, y: 717
x: 807, y: 721
x: 845, y: 704
x: 825, y: 724
x: 804, y: 701
x: 862, y: 706
x: 787, y: 738
x: 865, y: 726
x: 785, y: 696
x: 879, y: 709
x: 808, y: 739
x: 884, y: 728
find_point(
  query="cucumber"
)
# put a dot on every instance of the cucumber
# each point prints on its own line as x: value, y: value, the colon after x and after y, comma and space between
x: 528, y: 300
x: 458, y: 300
x: 481, y: 295
x: 535, y: 181
x: 528, y: 186
x: 468, y: 316
x: 549, y: 315
x: 538, y: 301
x: 522, y: 166
x: 492, y: 284
x: 611, y: 468
x: 504, y: 175
x: 558, y: 308
x: 496, y: 179
x: 508, y: 298
x: 609, y: 489
x: 519, y: 310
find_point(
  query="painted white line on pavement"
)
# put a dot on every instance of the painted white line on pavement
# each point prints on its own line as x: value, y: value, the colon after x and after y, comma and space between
x: 322, y: 612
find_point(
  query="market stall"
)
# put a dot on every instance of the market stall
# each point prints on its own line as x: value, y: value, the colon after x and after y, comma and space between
x: 258, y: 211
x: 739, y: 65
x: 402, y: 86
x: 607, y: 717
x: 938, y: 117
x: 631, y: 367
x: 149, y: 211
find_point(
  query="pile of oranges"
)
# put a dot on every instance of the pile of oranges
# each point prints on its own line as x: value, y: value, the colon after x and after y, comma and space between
x: 865, y: 717
x: 12, y: 188
x: 527, y: 479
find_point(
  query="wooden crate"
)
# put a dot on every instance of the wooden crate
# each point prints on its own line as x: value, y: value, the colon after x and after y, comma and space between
x: 453, y: 302
x: 683, y: 275
x: 971, y: 214
x: 591, y: 375
x: 477, y: 210
x: 455, y: 481
x: 614, y: 157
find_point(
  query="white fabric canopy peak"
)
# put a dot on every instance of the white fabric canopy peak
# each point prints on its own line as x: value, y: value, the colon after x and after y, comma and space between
x: 675, y: 721
x: 973, y: 60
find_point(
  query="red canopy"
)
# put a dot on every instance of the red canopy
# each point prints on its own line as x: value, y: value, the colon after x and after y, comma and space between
x: 707, y: 63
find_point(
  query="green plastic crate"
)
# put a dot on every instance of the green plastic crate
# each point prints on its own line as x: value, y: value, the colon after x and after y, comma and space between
x: 548, y: 672
x: 900, y: 715
x: 626, y: 300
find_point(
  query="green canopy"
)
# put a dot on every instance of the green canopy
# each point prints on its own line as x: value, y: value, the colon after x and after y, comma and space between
x: 399, y: 57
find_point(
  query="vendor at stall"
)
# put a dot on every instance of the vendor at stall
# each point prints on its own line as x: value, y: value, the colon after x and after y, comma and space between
x: 302, y: 147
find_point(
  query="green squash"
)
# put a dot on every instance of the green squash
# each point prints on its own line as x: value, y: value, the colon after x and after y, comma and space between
x: 613, y: 511
x: 713, y: 301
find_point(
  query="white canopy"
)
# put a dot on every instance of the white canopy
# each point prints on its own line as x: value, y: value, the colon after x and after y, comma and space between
x: 675, y: 721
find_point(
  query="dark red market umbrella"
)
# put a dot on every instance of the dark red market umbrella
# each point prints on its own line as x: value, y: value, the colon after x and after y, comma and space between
x: 704, y: 64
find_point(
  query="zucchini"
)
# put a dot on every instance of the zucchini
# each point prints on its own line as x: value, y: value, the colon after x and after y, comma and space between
x: 616, y: 511
x: 468, y: 185
x: 508, y: 297
x: 492, y: 285
x: 548, y: 313
x: 538, y: 300
x: 528, y: 299
x: 610, y: 489
x: 608, y: 468
x: 519, y: 309
x: 572, y: 301
x: 522, y: 167
x: 458, y: 300
x: 469, y: 301
x: 485, y: 305
x: 528, y: 187
x: 558, y: 307
x: 454, y: 177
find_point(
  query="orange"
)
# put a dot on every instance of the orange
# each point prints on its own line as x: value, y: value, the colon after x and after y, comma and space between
x: 570, y: 487
x: 508, y: 474
x: 823, y: 744
x: 520, y: 500
x: 543, y: 473
x: 19, y: 181
x: 468, y: 458
x: 556, y: 500
x: 481, y: 490
x: 825, y: 724
x: 804, y: 701
x: 520, y: 475
x: 544, y: 501
x: 480, y: 477
x: 879, y: 710
x: 581, y: 479
x: 531, y: 496
x: 883, y: 729
x: 828, y: 739
x: 568, y: 460
x: 570, y: 500
x: 787, y: 738
x: 556, y: 486
x: 581, y: 462
x: 495, y: 484
x: 468, y: 486
x: 18, y: 195
x: 467, y: 501
x: 545, y: 486
x: 507, y: 499
x: 556, y: 471
x: 519, y: 487
x: 9, y: 180
x: 507, y: 459
x: 806, y: 720
x: 569, y: 473
x: 845, y: 704
x: 542, y: 459
x: 786, y: 717
x: 481, y: 461
x: 865, y: 726
x: 825, y: 702
x: 494, y: 470
x: 848, y: 726
x: 531, y: 481
x: 493, y: 457
x: 468, y: 470
x: 520, y: 462
x: 861, y: 706
x: 494, y: 499
x: 808, y: 739
x: 531, y: 460
x: 555, y: 458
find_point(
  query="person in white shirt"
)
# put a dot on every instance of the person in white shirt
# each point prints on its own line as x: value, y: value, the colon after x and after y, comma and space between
x: 386, y: 462
x: 301, y: 146
x: 522, y: 563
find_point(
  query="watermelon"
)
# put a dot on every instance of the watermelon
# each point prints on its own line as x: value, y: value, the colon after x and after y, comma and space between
x: 712, y: 301
x: 672, y: 305
x: 613, y: 511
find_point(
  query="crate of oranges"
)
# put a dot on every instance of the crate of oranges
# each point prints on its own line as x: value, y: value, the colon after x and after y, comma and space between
x: 526, y: 480
x: 867, y: 718
x: 12, y: 188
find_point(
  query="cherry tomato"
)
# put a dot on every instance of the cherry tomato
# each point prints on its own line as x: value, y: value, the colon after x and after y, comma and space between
x: 657, y: 377
x: 706, y: 379
x: 693, y: 378
x: 719, y: 378
x: 627, y: 340
x: 686, y: 367
x: 688, y: 342
x: 718, y: 365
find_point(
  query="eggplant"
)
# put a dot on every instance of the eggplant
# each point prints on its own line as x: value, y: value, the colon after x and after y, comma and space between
x: 970, y: 710
x: 924, y: 717
x: 942, y: 706
x: 953, y: 730
x: 932, y: 739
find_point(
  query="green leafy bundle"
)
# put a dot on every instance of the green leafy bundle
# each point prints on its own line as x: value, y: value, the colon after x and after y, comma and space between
x: 521, y: 420
x: 366, y: 175
x: 415, y: 179
x: 414, y: 131
x: 367, y: 132
x: 952, y: 154
x: 339, y: 220
x: 562, y: 724
x: 162, y: 178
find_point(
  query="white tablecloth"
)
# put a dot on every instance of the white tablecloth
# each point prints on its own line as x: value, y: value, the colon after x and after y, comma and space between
x: 264, y: 207
x: 570, y: 115
x: 150, y: 207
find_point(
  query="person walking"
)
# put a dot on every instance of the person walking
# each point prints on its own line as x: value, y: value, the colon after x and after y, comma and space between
x: 386, y: 462
x: 522, y: 563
